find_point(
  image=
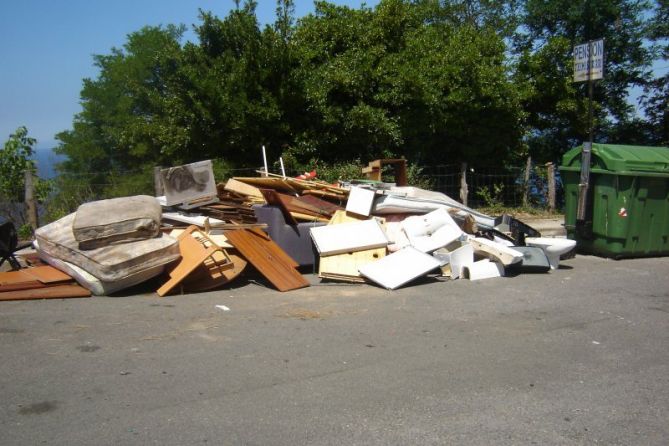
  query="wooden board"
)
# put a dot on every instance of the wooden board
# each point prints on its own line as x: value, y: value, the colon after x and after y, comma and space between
x: 344, y: 217
x: 321, y: 207
x: 47, y: 274
x: 233, y: 185
x: 268, y: 258
x: 50, y: 292
x: 31, y: 278
x: 18, y: 276
x: 345, y: 266
x: 281, y: 201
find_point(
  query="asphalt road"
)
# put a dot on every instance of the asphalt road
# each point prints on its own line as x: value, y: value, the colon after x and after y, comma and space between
x: 579, y: 356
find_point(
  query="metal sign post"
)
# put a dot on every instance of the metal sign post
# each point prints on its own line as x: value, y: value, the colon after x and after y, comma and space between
x: 588, y: 66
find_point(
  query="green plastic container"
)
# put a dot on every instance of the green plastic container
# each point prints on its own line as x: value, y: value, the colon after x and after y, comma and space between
x: 628, y: 202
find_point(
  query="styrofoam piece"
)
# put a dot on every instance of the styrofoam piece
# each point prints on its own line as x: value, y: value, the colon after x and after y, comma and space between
x: 397, y: 239
x: 348, y: 237
x: 460, y: 258
x: 497, y: 251
x: 360, y: 201
x: 399, y: 268
x: 483, y: 269
x: 197, y: 220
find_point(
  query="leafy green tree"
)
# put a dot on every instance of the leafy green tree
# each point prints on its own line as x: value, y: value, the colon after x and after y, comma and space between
x: 132, y: 116
x: 656, y: 98
x: 557, y: 108
x: 15, y: 159
x: 233, y: 78
x: 395, y: 81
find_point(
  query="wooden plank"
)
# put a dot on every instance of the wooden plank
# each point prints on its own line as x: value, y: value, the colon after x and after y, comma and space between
x: 268, y: 258
x: 342, y: 216
x: 234, y: 185
x: 343, y: 278
x: 47, y: 274
x: 18, y: 276
x: 347, y: 264
x: 307, y: 217
x: 51, y: 292
x: 274, y: 198
x: 319, y: 206
x: 333, y: 197
x: 25, y: 285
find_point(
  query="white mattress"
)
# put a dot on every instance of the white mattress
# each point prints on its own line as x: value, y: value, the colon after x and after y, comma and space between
x: 92, y: 283
x: 109, y: 263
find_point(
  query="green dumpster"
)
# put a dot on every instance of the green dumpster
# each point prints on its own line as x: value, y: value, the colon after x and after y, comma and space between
x: 628, y: 200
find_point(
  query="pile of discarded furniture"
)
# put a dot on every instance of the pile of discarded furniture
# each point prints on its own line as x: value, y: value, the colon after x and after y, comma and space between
x: 202, y: 236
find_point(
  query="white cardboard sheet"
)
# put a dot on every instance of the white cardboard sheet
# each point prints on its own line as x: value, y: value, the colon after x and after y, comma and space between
x: 348, y: 237
x: 360, y: 201
x: 399, y: 268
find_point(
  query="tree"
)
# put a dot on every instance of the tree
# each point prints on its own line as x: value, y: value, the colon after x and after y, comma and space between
x: 558, y: 108
x: 234, y: 77
x: 132, y: 116
x: 395, y: 81
x: 15, y: 159
x: 656, y: 97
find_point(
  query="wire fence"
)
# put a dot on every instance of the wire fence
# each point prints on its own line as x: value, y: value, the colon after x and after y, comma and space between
x: 496, y: 186
x: 487, y: 186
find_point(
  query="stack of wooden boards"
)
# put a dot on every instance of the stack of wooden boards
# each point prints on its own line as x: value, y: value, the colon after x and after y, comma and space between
x: 39, y: 282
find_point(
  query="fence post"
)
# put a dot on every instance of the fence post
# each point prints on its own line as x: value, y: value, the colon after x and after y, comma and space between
x: 551, y: 186
x: 463, y: 184
x: 158, y: 182
x: 31, y: 204
x: 526, y: 182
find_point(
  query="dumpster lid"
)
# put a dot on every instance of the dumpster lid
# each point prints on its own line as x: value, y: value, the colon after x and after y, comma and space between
x: 621, y: 158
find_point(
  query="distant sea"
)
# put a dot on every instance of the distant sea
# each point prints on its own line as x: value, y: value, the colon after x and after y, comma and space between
x: 46, y: 160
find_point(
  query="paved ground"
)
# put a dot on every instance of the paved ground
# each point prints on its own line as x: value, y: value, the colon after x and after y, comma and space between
x: 576, y: 357
x: 549, y: 227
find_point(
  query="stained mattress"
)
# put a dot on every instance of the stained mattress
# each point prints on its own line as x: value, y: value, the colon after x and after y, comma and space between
x: 109, y: 263
x: 116, y: 220
x: 92, y: 283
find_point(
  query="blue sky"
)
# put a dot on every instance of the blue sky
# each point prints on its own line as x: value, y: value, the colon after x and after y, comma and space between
x: 47, y: 48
